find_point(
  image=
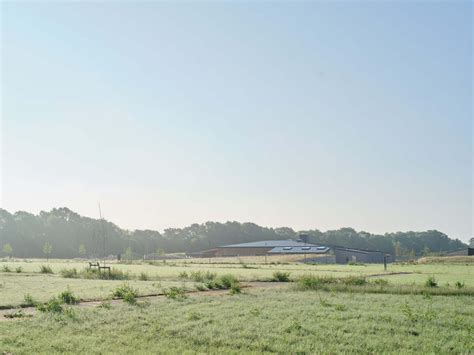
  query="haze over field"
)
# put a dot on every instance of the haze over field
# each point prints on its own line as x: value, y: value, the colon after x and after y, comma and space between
x: 309, y: 115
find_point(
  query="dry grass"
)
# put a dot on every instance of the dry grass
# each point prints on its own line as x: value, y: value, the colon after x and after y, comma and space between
x: 447, y: 260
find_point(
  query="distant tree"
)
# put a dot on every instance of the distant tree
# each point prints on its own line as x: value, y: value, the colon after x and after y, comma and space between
x: 426, y: 251
x: 398, y: 249
x: 47, y: 249
x: 82, y: 250
x: 128, y: 254
x: 8, y: 249
x: 412, y: 254
x: 471, y: 242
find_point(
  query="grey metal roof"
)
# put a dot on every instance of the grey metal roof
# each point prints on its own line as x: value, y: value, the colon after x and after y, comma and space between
x: 299, y: 250
x: 269, y: 244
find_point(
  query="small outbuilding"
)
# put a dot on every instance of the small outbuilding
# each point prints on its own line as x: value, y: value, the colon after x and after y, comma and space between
x: 461, y: 252
x: 347, y: 255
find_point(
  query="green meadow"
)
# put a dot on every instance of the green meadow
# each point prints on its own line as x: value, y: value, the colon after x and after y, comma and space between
x: 321, y: 309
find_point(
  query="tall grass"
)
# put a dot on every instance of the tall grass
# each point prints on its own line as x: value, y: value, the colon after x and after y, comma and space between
x: 358, y: 284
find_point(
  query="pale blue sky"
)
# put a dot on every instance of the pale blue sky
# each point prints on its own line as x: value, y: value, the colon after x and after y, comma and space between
x: 308, y: 115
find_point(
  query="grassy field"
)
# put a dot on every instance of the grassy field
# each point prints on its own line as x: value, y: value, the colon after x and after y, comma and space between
x: 400, y: 314
x: 266, y: 320
x: 13, y: 287
x: 171, y: 270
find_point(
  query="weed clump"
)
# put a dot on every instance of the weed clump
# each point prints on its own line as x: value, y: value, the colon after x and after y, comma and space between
x: 144, y: 276
x: 68, y: 297
x: 5, y: 268
x: 281, y: 276
x: 19, y: 270
x: 28, y: 300
x: 124, y: 290
x: 175, y: 293
x: 201, y: 276
x: 459, y: 284
x: 46, y: 269
x: 54, y: 305
x: 69, y: 273
x: 431, y: 282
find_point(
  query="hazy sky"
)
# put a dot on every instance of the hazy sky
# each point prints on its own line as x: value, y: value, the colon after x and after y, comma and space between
x: 307, y: 115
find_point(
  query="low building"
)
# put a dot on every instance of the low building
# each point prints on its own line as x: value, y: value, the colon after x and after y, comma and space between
x: 347, y: 255
x: 461, y: 252
x: 263, y: 248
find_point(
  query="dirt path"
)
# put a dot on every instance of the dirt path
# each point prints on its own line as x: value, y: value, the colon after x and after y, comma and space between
x: 30, y: 311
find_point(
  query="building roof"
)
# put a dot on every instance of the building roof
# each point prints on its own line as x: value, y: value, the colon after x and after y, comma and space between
x: 355, y: 250
x: 269, y: 244
x: 299, y: 250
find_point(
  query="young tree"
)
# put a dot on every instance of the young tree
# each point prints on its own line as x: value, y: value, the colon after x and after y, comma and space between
x: 8, y: 249
x: 47, y: 249
x: 128, y: 255
x: 82, y: 250
x: 412, y: 254
x: 398, y: 249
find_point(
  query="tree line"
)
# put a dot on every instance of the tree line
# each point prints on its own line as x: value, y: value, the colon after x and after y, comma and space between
x: 62, y: 233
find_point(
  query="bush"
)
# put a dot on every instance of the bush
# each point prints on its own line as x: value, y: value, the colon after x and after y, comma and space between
x: 69, y: 273
x: 68, y: 297
x: 183, y: 275
x: 123, y: 290
x: 19, y: 269
x: 144, y: 276
x: 228, y: 280
x: 235, y: 288
x: 201, y: 287
x: 130, y: 297
x: 381, y: 282
x: 52, y: 306
x: 431, y: 282
x: 355, y: 280
x: 28, y: 300
x: 280, y: 276
x: 45, y: 269
x: 459, y: 284
x: 5, y: 268
x: 175, y: 293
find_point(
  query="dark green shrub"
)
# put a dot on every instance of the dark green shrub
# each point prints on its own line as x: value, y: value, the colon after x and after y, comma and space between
x: 175, y: 293
x: 227, y: 280
x: 281, y: 276
x: 431, y: 282
x: 68, y: 297
x: 5, y: 268
x: 130, y: 297
x: 354, y: 280
x: 123, y: 290
x: 459, y: 284
x: 45, y: 269
x: 52, y: 306
x: 235, y: 288
x: 19, y: 270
